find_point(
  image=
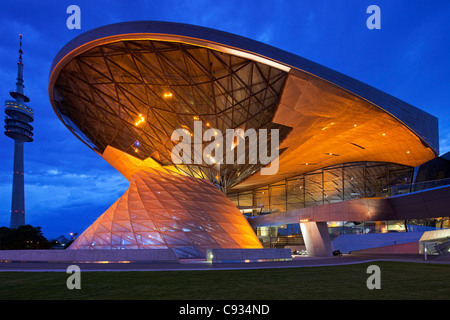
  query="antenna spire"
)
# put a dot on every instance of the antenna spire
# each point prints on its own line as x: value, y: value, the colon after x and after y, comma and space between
x: 19, y: 84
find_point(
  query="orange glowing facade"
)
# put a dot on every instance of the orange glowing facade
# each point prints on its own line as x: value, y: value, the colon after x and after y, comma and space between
x: 163, y: 209
x: 123, y: 89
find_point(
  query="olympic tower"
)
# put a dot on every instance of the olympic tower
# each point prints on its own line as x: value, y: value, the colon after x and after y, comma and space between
x: 17, y: 127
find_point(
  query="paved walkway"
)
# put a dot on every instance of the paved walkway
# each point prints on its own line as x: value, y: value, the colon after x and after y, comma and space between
x: 297, y: 262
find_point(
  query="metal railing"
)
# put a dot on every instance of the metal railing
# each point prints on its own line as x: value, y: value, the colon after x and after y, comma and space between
x: 418, y: 186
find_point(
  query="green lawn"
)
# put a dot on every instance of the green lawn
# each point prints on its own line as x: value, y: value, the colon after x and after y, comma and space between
x: 400, y: 281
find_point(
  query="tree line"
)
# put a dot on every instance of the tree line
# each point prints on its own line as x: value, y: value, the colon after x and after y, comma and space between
x: 23, y: 237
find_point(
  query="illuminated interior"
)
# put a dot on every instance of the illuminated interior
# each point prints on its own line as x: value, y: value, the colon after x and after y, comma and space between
x: 131, y: 95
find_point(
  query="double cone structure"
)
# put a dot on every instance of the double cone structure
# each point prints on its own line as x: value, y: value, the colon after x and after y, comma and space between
x: 163, y: 209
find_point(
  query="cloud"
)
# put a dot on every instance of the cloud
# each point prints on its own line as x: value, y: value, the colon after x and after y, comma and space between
x: 48, y: 193
x: 266, y: 36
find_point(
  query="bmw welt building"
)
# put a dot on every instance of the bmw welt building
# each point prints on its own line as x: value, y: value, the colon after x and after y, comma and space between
x: 344, y: 157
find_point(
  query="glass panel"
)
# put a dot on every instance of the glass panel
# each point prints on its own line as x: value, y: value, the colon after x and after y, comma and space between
x: 278, y: 198
x: 296, y: 193
x: 333, y: 185
x: 381, y: 227
x: 400, y: 178
x: 234, y: 198
x: 246, y: 199
x: 314, y: 190
x: 376, y: 180
x: 261, y: 198
x: 396, y: 226
x: 354, y: 187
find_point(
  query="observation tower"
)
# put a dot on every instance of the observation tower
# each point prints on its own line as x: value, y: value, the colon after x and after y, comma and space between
x: 17, y: 127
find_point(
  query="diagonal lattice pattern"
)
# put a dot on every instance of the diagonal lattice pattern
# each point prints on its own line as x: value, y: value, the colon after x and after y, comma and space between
x: 164, y: 210
x: 132, y: 94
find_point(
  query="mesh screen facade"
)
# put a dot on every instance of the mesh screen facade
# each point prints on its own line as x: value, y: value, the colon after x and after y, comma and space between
x: 163, y: 210
x: 131, y: 95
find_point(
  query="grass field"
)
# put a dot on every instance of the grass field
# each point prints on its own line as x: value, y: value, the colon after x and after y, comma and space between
x: 399, y: 281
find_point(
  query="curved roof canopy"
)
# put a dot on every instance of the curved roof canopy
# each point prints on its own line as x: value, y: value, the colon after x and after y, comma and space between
x: 130, y: 85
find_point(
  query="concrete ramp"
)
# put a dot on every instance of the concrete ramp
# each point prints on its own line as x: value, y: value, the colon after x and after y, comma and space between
x: 402, y: 242
x: 347, y: 243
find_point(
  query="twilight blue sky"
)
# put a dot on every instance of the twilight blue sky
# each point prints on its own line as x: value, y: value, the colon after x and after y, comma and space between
x: 68, y: 186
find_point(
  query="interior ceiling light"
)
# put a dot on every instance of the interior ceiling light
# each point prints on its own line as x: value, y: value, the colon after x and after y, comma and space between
x: 324, y: 128
x: 140, y: 120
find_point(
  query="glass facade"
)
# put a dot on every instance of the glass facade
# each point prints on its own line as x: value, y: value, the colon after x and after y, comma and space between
x: 328, y: 185
x: 165, y: 210
x: 185, y: 83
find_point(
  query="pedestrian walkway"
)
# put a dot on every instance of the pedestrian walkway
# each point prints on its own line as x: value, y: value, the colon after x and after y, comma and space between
x: 184, y: 265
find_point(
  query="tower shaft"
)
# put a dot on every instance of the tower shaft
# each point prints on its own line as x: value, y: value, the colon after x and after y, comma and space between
x: 18, y: 189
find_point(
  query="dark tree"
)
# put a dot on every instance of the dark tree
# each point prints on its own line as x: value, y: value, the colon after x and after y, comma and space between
x: 23, y: 237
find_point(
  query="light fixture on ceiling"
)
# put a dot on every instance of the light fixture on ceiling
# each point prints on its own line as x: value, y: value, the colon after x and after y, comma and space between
x: 140, y: 120
x: 328, y: 126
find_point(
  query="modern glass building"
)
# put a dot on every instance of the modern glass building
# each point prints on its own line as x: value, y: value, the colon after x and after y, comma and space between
x: 348, y: 181
x: 347, y: 155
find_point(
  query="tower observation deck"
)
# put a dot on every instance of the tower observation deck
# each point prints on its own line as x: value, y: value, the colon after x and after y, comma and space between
x: 17, y: 127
